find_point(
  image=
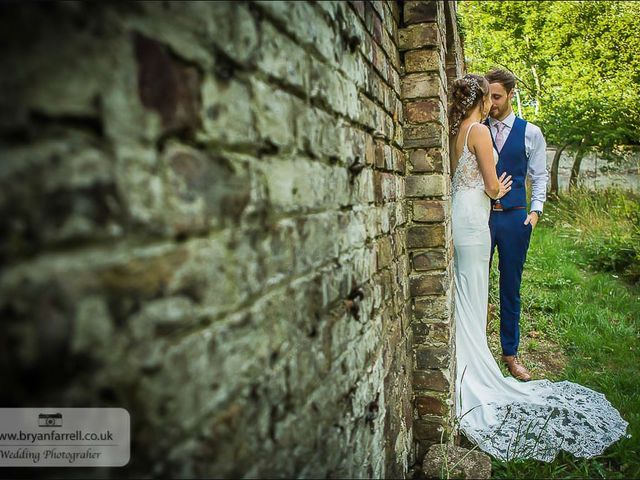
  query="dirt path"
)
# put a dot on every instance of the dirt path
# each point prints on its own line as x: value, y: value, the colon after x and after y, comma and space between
x: 541, y: 356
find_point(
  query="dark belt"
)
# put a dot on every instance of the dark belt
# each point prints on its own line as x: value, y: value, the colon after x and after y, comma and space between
x: 499, y: 208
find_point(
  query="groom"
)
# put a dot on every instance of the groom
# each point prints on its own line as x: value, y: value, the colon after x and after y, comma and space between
x: 522, y: 151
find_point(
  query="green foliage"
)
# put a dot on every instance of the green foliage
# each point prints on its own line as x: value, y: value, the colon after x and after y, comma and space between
x: 578, y: 64
x: 606, y: 226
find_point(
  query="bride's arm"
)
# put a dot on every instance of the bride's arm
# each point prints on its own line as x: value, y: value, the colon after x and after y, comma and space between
x: 480, y: 144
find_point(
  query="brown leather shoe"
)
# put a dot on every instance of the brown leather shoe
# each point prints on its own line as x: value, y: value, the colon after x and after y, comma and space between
x: 516, y: 369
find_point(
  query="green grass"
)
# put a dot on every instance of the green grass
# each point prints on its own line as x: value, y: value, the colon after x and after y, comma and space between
x: 580, y: 321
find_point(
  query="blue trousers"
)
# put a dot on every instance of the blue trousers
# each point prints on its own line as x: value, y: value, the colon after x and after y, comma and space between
x: 511, y: 236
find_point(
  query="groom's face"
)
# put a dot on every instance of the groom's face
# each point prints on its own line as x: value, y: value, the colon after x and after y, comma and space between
x: 500, y: 101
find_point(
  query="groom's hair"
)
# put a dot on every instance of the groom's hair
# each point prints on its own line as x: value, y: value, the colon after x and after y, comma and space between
x: 503, y: 77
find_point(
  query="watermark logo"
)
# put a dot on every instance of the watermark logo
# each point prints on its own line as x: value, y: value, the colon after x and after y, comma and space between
x: 88, y: 437
x: 50, y: 420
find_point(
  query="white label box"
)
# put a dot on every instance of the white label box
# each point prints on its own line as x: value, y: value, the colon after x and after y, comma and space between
x: 64, y: 437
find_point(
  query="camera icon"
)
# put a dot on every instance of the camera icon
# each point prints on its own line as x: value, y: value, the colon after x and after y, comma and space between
x: 50, y: 420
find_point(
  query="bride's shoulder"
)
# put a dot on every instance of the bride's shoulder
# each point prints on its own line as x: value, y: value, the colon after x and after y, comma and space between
x: 479, y: 132
x: 484, y: 128
x: 479, y: 127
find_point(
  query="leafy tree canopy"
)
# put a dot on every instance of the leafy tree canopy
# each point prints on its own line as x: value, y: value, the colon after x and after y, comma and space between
x: 578, y: 64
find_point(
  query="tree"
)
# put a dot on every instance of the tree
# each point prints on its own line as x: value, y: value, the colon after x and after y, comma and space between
x: 578, y: 65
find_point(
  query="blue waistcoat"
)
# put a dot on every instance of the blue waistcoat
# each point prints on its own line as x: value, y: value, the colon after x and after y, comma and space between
x: 513, y: 160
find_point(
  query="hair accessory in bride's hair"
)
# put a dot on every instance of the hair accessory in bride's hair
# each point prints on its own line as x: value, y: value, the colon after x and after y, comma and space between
x: 464, y: 93
x: 475, y: 88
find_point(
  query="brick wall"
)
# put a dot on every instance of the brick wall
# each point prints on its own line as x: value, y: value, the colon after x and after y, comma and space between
x: 432, y: 57
x: 232, y: 220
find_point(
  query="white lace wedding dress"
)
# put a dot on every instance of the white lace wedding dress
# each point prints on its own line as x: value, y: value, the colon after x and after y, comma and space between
x: 503, y: 416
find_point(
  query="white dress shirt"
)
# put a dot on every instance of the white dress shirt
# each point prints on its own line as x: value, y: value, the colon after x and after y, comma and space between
x: 536, y: 151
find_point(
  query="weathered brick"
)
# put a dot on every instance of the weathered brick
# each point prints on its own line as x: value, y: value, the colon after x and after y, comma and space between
x: 429, y: 210
x: 291, y: 15
x: 429, y: 333
x: 452, y: 74
x: 427, y: 284
x: 385, y: 252
x: 428, y: 430
x: 359, y: 7
x: 423, y: 60
x: 425, y: 185
x: 421, y: 85
x: 416, y: 11
x: 389, y: 187
x: 420, y: 331
x: 398, y: 243
x: 398, y: 112
x: 370, y: 150
x: 423, y: 111
x: 167, y: 85
x: 426, y: 160
x: 379, y: 154
x: 380, y: 61
x: 273, y: 112
x: 388, y: 157
x: 224, y: 119
x: 417, y: 36
x: 426, y: 236
x: 432, y: 357
x: 395, y: 12
x: 335, y: 91
x: 389, y: 46
x: 282, y: 58
x: 377, y: 26
x: 201, y: 190
x: 430, y: 309
x: 423, y: 135
x: 399, y: 161
x: 438, y: 380
x: 430, y: 405
x: 440, y: 332
x: 295, y: 184
x: 435, y: 259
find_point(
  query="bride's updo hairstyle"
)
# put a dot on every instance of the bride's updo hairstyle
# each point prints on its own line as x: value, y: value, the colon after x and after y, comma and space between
x: 466, y: 92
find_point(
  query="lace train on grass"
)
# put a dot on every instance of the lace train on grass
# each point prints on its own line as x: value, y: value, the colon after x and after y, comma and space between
x: 555, y: 416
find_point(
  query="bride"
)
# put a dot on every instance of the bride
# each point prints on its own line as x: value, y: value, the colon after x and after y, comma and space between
x: 504, y: 417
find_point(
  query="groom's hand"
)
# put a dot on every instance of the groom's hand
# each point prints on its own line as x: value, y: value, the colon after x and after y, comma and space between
x: 532, y: 219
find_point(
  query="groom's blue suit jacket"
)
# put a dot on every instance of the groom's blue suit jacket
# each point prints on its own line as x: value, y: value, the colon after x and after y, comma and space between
x: 513, y: 160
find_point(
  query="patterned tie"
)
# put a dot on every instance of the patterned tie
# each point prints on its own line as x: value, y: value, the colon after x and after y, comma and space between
x: 500, y: 135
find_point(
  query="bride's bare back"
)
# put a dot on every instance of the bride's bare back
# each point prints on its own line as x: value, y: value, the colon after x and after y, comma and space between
x: 477, y: 141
